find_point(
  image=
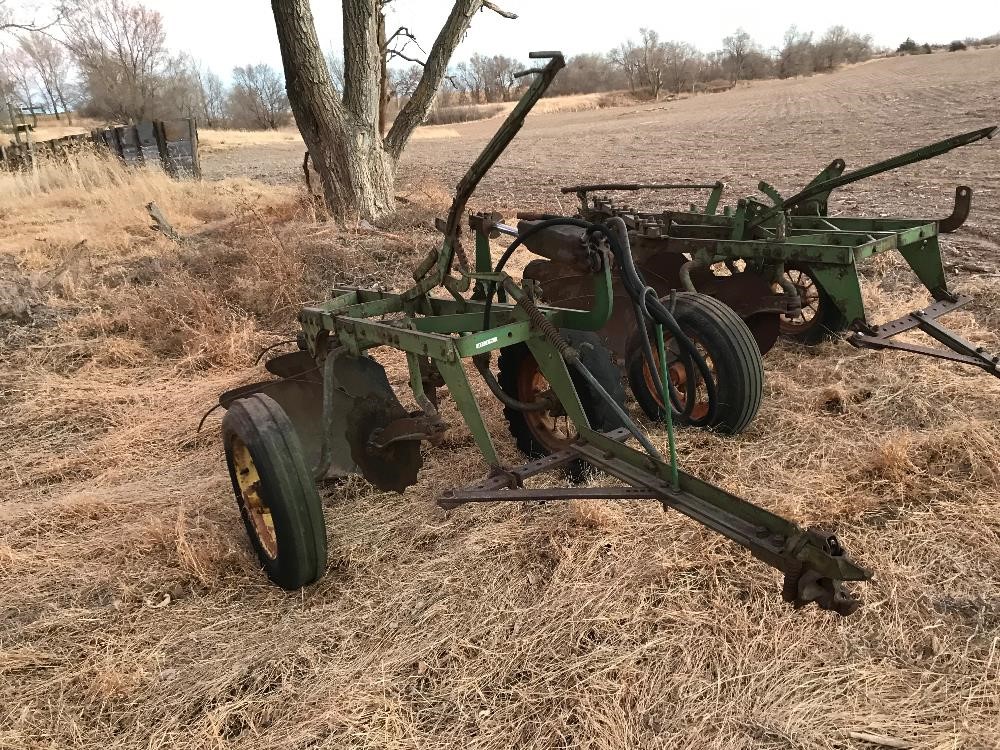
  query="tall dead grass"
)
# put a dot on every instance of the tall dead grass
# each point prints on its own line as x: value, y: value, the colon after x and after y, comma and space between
x: 132, y: 613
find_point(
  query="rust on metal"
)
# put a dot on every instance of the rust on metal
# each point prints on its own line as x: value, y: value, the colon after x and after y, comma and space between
x: 963, y: 204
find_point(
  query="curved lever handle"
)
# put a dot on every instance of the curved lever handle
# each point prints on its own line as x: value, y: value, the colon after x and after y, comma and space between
x: 910, y: 157
x: 963, y: 204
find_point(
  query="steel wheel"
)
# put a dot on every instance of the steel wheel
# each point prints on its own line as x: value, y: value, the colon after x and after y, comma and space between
x: 539, y: 433
x: 733, y: 360
x: 551, y: 428
x: 820, y: 316
x: 679, y: 379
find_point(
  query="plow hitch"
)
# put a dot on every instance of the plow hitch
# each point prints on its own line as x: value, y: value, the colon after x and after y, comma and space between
x: 815, y: 566
x: 926, y: 320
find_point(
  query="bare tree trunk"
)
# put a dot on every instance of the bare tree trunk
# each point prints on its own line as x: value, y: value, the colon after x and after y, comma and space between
x: 62, y: 101
x: 52, y: 101
x: 345, y: 145
x: 355, y: 164
x: 383, y: 88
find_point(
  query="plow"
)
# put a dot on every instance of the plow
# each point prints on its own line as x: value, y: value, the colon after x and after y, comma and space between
x: 603, y: 278
x: 784, y: 265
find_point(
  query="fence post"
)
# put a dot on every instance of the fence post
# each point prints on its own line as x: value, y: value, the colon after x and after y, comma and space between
x: 169, y: 165
x: 195, y: 156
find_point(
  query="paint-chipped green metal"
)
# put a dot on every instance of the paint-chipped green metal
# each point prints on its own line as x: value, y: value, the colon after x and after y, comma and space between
x: 771, y: 231
x: 443, y: 334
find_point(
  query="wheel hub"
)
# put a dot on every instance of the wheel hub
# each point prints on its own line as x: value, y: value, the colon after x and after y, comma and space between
x: 252, y: 499
x: 678, y: 379
x: 552, y: 427
x: 808, y: 293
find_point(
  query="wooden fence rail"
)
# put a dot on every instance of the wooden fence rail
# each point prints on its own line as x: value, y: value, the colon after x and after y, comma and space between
x: 173, y: 144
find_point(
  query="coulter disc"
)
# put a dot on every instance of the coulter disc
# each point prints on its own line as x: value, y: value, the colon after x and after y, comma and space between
x: 393, y: 467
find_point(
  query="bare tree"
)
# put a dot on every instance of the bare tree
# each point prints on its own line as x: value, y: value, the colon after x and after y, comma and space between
x: 8, y: 93
x: 53, y: 66
x: 258, y: 97
x: 651, y: 66
x: 737, y: 48
x: 179, y: 94
x: 796, y: 55
x: 469, y: 79
x: 355, y: 162
x: 838, y: 46
x: 680, y: 65
x: 586, y: 74
x: 335, y: 64
x: 120, y: 48
x: 494, y: 76
x: 22, y: 81
x: 404, y: 81
x: 212, y: 97
x: 831, y: 50
x: 628, y: 57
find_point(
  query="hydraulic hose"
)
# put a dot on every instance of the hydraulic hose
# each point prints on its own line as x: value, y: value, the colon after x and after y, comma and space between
x: 553, y: 222
x: 646, y: 307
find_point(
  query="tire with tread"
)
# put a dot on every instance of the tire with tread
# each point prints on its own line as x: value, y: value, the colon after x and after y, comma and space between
x: 597, y: 358
x: 286, y: 486
x: 733, y: 351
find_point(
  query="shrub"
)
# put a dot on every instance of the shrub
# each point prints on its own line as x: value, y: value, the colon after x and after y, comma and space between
x: 464, y: 113
x: 957, y: 46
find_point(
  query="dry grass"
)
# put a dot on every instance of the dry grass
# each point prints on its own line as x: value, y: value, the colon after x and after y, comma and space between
x: 132, y: 613
x: 94, y: 197
x: 548, y: 105
x: 49, y: 127
x: 221, y: 140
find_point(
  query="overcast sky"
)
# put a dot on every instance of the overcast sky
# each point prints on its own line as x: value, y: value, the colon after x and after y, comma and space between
x: 225, y: 33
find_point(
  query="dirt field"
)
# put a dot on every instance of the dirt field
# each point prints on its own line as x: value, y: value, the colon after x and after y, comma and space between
x: 132, y: 614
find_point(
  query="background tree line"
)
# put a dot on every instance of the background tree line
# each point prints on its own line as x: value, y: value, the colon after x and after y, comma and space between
x: 109, y: 60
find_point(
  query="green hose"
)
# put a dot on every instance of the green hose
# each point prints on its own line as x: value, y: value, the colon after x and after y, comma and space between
x: 668, y: 417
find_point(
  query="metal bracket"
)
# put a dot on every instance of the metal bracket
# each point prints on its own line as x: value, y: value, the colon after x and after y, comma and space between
x: 959, y: 349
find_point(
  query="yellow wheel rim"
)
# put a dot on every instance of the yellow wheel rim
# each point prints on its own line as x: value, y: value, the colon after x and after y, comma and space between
x: 252, y: 498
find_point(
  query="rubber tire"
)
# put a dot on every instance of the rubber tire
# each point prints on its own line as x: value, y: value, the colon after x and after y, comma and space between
x: 831, y: 319
x: 287, y: 485
x: 598, y: 359
x: 739, y: 366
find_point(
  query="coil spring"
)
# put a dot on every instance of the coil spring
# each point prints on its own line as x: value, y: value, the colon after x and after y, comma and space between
x: 549, y: 331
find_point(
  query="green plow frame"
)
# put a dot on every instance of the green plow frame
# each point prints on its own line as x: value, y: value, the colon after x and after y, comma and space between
x: 438, y: 334
x: 799, y: 231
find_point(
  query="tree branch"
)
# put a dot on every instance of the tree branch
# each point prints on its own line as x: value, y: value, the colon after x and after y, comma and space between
x: 500, y: 11
x: 7, y: 22
x: 405, y: 32
x: 416, y: 109
x: 393, y: 53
